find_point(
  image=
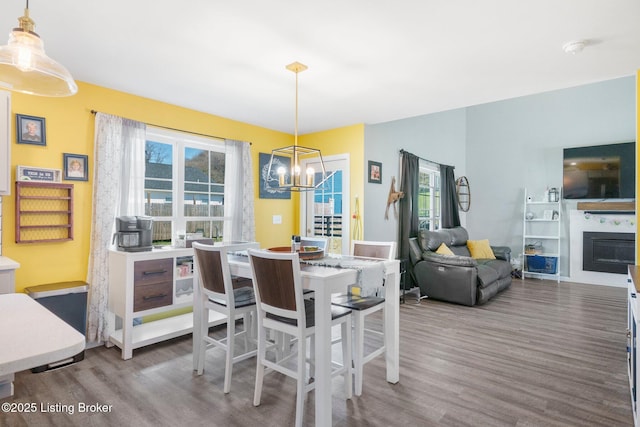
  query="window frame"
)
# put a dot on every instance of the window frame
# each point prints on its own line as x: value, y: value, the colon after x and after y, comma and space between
x: 179, y: 142
x: 434, y: 220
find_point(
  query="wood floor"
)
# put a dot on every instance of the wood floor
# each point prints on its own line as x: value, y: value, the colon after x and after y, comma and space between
x: 539, y: 354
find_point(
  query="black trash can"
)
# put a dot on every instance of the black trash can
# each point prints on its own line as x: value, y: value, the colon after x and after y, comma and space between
x: 68, y: 301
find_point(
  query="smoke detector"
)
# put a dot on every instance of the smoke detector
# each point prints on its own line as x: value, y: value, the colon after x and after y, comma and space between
x: 574, y: 47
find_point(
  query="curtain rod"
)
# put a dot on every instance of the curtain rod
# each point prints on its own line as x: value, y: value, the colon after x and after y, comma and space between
x: 423, y: 159
x: 94, y: 112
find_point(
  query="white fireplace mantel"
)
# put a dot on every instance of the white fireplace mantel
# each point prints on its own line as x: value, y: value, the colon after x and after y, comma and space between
x: 581, y: 221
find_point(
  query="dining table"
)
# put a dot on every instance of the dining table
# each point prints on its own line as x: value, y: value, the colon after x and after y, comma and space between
x: 31, y: 336
x: 335, y: 274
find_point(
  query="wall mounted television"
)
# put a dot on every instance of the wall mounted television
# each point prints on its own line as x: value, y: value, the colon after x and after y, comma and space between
x: 600, y: 172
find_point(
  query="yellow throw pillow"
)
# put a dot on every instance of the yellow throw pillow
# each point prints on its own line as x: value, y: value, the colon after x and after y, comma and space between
x: 444, y: 250
x: 480, y: 249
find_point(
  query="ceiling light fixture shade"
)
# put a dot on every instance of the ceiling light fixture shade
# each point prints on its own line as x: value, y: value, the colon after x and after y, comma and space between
x: 26, y: 68
x: 286, y: 162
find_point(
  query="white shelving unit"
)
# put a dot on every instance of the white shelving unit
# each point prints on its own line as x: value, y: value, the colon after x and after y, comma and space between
x: 542, y: 221
x: 151, y: 283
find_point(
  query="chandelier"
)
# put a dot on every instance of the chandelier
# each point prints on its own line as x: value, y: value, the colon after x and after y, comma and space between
x: 286, y: 162
x: 24, y: 67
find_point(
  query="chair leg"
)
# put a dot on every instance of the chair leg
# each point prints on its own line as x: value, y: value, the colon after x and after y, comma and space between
x: 302, y: 380
x: 262, y: 344
x: 358, y: 352
x: 347, y: 358
x: 245, y: 324
x: 202, y: 344
x: 231, y: 337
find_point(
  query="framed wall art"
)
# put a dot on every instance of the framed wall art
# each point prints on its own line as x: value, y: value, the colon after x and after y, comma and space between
x: 30, y: 130
x: 75, y: 166
x: 269, y: 183
x: 375, y: 172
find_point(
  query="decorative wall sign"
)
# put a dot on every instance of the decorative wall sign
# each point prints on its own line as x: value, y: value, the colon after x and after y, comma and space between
x: 30, y: 130
x: 269, y: 184
x: 375, y: 172
x: 30, y: 173
x: 464, y: 193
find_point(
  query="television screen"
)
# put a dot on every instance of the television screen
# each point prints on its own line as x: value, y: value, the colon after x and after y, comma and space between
x: 600, y: 172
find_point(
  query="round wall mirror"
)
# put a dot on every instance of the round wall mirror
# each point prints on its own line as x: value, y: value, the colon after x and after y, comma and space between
x: 464, y: 193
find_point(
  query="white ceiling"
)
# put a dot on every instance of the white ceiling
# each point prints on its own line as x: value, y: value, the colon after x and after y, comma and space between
x: 369, y: 61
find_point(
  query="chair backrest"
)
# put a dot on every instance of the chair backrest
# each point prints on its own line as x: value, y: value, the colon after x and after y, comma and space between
x: 320, y: 242
x: 277, y: 284
x: 383, y: 250
x: 212, y: 270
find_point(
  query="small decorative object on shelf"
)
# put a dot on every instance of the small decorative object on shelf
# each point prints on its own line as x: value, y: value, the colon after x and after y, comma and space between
x: 554, y: 195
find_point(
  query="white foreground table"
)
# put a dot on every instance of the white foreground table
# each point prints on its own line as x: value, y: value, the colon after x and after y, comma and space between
x: 326, y: 281
x: 31, y: 336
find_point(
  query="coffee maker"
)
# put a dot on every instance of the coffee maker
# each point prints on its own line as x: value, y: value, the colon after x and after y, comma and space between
x: 133, y: 233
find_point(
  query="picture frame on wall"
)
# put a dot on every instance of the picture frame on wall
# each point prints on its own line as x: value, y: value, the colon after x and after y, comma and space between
x: 375, y: 172
x: 30, y: 130
x: 75, y: 166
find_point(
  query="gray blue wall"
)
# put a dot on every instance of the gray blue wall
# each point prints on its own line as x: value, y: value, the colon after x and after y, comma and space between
x: 502, y: 147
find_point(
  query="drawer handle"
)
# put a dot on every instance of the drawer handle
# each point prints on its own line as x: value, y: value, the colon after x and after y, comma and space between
x: 151, y: 297
x: 152, y: 272
x: 633, y: 295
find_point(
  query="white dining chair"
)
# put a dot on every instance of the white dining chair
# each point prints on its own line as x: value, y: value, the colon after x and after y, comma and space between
x: 216, y: 292
x: 362, y: 306
x: 282, y: 307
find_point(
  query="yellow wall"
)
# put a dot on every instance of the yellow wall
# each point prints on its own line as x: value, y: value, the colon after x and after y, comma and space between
x: 69, y: 129
x: 637, y: 162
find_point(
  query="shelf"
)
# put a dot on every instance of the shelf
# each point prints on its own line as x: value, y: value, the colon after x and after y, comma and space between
x: 542, y: 203
x: 164, y: 329
x: 545, y: 254
x: 542, y: 230
x: 44, y: 212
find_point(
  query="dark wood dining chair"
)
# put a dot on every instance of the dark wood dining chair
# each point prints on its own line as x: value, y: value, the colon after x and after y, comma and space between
x: 282, y: 307
x: 217, y: 293
x: 363, y: 306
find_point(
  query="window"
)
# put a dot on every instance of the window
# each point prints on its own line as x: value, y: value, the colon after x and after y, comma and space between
x: 327, y: 218
x: 429, y: 196
x: 189, y: 170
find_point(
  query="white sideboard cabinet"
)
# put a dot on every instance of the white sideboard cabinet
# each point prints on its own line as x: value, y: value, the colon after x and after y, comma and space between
x: 141, y: 284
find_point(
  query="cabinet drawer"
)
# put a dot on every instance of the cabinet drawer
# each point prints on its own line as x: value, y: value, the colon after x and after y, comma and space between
x: 153, y: 271
x: 152, y: 295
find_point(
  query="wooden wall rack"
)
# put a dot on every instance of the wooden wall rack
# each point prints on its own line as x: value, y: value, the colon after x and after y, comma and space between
x: 44, y: 212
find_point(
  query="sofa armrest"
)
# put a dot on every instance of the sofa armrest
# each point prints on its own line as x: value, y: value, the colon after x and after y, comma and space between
x: 502, y: 252
x: 448, y: 260
x: 415, y: 253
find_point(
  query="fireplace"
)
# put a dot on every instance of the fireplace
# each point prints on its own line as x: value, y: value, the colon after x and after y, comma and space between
x: 607, y: 252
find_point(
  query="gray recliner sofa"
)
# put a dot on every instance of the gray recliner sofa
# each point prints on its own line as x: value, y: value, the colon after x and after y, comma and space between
x: 459, y: 278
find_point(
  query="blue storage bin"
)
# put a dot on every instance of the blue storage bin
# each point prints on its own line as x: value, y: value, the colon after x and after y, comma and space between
x: 542, y: 264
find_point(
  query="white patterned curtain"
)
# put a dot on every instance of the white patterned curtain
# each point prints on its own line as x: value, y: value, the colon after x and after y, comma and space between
x: 238, y: 192
x: 118, y: 189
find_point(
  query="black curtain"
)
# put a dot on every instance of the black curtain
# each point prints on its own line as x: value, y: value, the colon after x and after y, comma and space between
x: 450, y: 217
x: 408, y: 221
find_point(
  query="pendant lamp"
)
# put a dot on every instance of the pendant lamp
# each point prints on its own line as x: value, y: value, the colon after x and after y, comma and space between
x: 286, y: 162
x: 26, y: 68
